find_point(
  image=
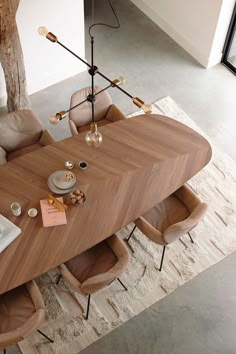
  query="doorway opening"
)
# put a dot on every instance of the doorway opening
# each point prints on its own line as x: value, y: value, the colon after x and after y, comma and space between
x: 229, y: 56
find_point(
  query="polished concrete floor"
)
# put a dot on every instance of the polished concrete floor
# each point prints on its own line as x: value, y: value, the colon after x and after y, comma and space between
x: 199, y: 317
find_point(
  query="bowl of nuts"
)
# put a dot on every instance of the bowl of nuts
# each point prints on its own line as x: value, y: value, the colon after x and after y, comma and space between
x: 77, y: 197
x: 64, y: 179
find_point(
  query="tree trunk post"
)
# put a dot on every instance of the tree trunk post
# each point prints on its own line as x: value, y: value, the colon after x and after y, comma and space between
x: 11, y: 57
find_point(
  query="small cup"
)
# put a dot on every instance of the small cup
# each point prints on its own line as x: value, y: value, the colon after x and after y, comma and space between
x: 32, y: 212
x: 69, y: 165
x: 83, y: 165
x: 16, y: 208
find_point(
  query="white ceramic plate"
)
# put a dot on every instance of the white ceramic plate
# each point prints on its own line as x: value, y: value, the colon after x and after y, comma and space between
x: 54, y: 189
x: 60, y: 181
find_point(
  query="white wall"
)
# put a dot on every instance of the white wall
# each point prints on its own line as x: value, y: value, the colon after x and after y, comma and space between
x: 200, y: 27
x: 46, y: 63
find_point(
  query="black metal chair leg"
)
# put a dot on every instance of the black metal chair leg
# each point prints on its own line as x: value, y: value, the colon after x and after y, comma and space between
x: 59, y: 278
x: 131, y: 233
x: 44, y: 335
x: 88, y: 305
x: 162, y: 257
x: 122, y: 284
x: 190, y: 237
x: 4, y: 351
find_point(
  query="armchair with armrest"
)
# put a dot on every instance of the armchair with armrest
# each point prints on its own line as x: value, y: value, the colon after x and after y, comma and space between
x: 22, y: 311
x: 81, y: 116
x: 172, y: 218
x: 96, y: 268
x: 21, y: 132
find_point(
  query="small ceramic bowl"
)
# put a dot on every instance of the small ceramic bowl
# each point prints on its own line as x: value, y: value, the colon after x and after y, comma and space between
x: 32, y: 212
x: 64, y: 179
x: 77, y: 197
x: 69, y: 165
x: 83, y: 165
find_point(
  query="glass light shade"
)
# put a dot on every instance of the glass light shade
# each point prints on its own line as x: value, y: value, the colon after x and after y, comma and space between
x: 43, y: 31
x: 93, y: 138
x: 147, y: 108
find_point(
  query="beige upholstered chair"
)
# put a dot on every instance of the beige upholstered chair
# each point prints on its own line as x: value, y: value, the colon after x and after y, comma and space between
x: 97, y: 267
x: 172, y: 218
x: 20, y: 133
x: 22, y: 312
x: 105, y: 112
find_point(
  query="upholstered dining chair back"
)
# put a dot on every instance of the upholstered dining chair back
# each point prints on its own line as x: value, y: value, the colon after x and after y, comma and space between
x: 82, y: 114
x: 100, y: 266
x: 172, y: 218
x: 22, y: 311
x: 19, y: 129
x: 174, y: 232
x: 97, y: 267
x: 21, y: 132
x: 81, y: 117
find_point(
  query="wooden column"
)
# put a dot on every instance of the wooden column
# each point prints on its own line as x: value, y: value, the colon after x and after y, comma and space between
x: 11, y: 57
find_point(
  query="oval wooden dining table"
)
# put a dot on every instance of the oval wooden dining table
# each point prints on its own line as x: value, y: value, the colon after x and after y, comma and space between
x: 141, y: 161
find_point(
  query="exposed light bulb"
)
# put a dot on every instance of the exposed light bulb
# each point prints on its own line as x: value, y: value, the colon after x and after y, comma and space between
x: 147, y: 108
x: 57, y: 117
x: 49, y: 35
x: 119, y: 81
x: 43, y: 31
x: 54, y: 119
x: 93, y: 138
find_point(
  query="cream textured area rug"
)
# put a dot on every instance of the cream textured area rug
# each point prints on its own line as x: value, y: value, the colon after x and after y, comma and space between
x: 215, y: 238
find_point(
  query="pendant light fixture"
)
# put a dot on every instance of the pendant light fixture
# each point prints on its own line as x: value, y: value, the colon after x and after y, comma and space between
x: 93, y: 137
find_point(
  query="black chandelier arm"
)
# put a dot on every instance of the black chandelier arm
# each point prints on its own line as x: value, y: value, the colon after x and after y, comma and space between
x: 91, y: 67
x: 104, y: 89
x: 77, y: 105
x: 75, y: 55
x: 95, y: 94
x: 114, y: 85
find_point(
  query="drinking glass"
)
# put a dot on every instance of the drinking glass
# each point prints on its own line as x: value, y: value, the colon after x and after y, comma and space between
x: 16, y: 208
